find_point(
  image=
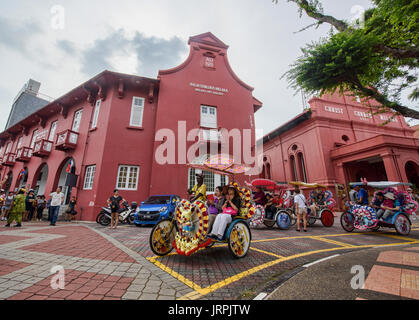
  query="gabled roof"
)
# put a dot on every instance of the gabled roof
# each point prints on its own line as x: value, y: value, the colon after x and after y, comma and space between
x: 306, y: 115
x: 209, y: 39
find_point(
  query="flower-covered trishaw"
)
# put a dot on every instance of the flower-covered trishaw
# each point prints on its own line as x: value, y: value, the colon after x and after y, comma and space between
x: 281, y: 217
x: 325, y: 212
x: 186, y: 232
x: 365, y: 217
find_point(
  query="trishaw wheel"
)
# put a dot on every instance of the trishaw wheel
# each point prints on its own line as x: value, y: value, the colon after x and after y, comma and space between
x: 311, y: 220
x: 347, y: 221
x: 402, y: 225
x: 269, y: 223
x: 258, y: 217
x: 283, y: 220
x: 376, y: 228
x: 162, y: 237
x: 327, y: 218
x: 293, y: 218
x: 239, y: 240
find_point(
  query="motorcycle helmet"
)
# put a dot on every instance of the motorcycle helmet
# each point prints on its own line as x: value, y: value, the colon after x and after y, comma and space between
x: 134, y: 205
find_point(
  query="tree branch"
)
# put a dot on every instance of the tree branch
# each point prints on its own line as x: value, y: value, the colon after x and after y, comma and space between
x: 372, y: 92
x: 399, y: 53
x: 311, y: 11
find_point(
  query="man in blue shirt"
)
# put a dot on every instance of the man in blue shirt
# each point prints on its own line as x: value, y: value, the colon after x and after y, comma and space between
x: 362, y: 196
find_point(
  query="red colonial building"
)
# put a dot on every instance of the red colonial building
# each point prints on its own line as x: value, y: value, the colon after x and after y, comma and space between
x: 105, y: 130
x: 337, y: 140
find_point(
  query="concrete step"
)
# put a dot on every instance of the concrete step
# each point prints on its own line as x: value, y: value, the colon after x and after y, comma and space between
x: 61, y: 213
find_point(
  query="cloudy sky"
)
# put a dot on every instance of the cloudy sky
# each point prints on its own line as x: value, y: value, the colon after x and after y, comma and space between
x: 142, y: 36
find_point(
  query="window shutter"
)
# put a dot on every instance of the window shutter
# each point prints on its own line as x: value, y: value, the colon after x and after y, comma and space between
x: 96, y: 113
x: 137, y: 112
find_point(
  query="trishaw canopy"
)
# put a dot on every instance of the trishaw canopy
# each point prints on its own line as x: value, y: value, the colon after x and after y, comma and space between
x: 222, y: 164
x: 380, y: 184
x: 307, y: 185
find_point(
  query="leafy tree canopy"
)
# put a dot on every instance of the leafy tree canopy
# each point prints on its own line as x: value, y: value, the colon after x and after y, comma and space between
x: 374, y: 58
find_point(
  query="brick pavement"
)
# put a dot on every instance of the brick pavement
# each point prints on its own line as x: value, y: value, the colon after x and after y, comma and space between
x: 398, y: 281
x: 97, y: 267
x: 101, y: 263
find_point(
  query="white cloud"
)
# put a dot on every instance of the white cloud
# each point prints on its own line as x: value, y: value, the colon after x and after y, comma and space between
x: 152, y: 35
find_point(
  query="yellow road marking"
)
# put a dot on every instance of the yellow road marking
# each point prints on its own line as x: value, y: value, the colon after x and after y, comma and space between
x: 199, y: 291
x: 267, y: 252
x: 249, y: 272
x: 176, y: 275
x: 308, y: 237
x: 397, y: 237
x: 343, y: 244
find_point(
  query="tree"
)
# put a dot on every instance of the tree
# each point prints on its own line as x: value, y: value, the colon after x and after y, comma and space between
x: 375, y: 58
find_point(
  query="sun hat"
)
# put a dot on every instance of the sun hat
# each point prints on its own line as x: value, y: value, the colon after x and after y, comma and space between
x: 390, y: 195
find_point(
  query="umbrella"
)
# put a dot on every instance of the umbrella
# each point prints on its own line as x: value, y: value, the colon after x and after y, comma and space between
x: 307, y: 185
x: 222, y: 164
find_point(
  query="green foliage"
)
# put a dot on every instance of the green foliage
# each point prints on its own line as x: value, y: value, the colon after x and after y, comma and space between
x: 377, y: 60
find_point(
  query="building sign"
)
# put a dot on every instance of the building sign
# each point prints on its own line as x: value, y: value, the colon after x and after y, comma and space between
x: 208, y: 89
x: 387, y: 118
x: 363, y: 115
x: 333, y: 109
x: 209, y: 62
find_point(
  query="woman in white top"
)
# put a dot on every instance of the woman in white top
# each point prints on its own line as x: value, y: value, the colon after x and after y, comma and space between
x: 300, y: 208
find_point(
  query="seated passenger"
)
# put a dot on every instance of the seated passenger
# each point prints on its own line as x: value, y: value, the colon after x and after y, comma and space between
x: 215, y: 206
x: 318, y: 202
x: 278, y: 201
x: 379, y: 199
x: 230, y: 209
x: 259, y: 197
x: 389, y: 207
x: 270, y: 208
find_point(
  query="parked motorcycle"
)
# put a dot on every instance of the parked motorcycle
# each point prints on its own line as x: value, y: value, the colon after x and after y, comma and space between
x: 126, y: 214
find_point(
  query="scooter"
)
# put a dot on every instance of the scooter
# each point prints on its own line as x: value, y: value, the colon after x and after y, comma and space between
x: 126, y: 214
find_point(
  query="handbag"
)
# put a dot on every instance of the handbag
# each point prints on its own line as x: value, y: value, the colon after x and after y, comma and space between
x: 230, y: 211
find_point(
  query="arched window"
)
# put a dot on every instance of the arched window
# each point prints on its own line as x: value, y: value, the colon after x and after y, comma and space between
x: 293, y: 168
x: 302, y: 167
x: 268, y: 171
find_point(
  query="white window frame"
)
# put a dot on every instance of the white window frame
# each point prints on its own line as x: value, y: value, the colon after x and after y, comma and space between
x: 19, y: 143
x: 52, y: 130
x: 78, y: 112
x: 96, y: 113
x: 126, y: 183
x: 138, y: 108
x: 216, y: 179
x: 89, y: 177
x: 204, y: 122
x: 34, y: 136
x: 8, y: 148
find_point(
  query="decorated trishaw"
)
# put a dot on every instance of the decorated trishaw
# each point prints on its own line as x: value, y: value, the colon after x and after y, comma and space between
x: 363, y: 217
x: 281, y: 217
x: 187, y: 231
x: 325, y: 213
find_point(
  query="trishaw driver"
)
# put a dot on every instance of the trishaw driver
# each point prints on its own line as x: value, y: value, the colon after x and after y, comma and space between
x: 199, y: 191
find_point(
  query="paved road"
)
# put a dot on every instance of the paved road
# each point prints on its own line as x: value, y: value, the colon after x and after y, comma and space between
x: 387, y: 278
x: 101, y: 263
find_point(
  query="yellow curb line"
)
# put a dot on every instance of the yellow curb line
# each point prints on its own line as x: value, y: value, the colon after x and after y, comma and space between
x: 343, y: 244
x: 267, y: 252
x: 199, y: 291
